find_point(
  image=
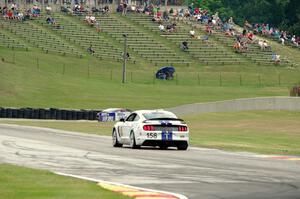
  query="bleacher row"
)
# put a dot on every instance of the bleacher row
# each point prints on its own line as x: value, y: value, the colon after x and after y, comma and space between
x: 254, y: 53
x: 204, y: 52
x: 10, y: 42
x: 77, y: 33
x: 40, y: 38
x: 141, y: 43
x: 74, y: 37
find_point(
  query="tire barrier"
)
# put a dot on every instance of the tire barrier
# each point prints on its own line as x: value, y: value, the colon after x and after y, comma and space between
x: 51, y: 113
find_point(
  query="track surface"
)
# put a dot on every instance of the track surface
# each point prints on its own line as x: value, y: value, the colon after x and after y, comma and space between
x: 197, y: 173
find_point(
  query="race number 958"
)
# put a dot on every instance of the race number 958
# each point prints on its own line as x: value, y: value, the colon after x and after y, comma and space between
x: 151, y: 135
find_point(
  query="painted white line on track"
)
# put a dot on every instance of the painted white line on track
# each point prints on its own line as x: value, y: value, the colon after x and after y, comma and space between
x: 180, y: 196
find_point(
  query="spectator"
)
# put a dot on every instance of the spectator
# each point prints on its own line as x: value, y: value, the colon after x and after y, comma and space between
x: 125, y: 7
x: 247, y: 25
x: 98, y: 27
x: 196, y: 11
x: 87, y: 18
x: 48, y: 10
x: 298, y: 40
x: 161, y: 28
x: 237, y: 46
x: 35, y: 11
x: 266, y: 45
x: 208, y: 29
x: 139, y: 9
x: 96, y: 10
x: 64, y: 9
x: 13, y: 6
x: 204, y: 38
x: 92, y: 20
x: 244, y: 46
x: 192, y: 33
x: 184, y: 46
x: 20, y: 16
x: 76, y: 8
x: 165, y: 15
x: 250, y: 37
x: 230, y: 21
x: 181, y: 13
x: 9, y: 14
x: 158, y: 16
x: 171, y: 27
x: 106, y: 9
x: 294, y: 41
x: 283, y: 37
x: 244, y: 32
x: 90, y: 50
x: 50, y: 20
x: 275, y: 58
x: 261, y: 44
x: 81, y: 8
x: 27, y: 16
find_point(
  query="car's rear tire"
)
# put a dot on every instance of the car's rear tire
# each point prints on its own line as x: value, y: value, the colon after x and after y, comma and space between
x: 115, y: 140
x: 182, y: 146
x: 133, y: 142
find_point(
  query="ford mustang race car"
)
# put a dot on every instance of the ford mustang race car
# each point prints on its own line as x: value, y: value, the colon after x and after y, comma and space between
x: 151, y: 128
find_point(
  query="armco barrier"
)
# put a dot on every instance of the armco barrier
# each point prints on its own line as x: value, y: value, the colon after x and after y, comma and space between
x: 246, y: 104
x: 51, y: 113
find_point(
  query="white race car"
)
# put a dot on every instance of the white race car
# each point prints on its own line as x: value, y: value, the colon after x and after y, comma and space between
x: 151, y: 128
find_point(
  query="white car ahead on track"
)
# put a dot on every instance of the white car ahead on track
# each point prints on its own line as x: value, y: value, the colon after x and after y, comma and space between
x: 151, y: 128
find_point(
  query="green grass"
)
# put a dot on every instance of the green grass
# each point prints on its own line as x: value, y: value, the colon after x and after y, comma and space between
x: 267, y: 132
x: 91, y: 127
x: 23, y: 183
x: 34, y: 79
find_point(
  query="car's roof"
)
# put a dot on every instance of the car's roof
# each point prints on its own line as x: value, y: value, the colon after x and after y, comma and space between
x: 116, y: 110
x: 150, y: 111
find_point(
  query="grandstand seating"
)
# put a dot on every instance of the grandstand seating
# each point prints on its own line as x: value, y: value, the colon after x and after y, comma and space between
x: 10, y: 42
x: 84, y: 36
x: 254, y: 53
x: 206, y: 52
x: 74, y: 37
x: 142, y: 43
x: 40, y: 38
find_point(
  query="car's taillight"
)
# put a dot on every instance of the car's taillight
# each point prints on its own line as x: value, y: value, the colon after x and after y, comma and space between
x: 148, y: 128
x: 182, y: 128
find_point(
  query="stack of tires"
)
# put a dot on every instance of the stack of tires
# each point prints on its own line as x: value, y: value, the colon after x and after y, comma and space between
x: 48, y: 114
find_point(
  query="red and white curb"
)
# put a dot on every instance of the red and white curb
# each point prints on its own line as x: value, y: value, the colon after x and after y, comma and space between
x: 131, y: 191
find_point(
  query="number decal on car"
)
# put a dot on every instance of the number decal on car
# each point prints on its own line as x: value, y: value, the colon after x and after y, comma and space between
x: 151, y: 135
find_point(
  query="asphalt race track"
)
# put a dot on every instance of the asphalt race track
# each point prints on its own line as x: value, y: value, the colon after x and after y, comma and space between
x: 197, y: 173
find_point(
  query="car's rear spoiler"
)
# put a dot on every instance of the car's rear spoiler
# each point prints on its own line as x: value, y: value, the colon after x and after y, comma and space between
x: 165, y: 119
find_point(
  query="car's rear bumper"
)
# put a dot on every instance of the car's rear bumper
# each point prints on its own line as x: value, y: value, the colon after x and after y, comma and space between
x: 169, y: 143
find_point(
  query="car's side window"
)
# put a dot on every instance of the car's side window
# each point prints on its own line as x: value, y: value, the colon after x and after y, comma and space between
x: 136, y: 118
x: 131, y: 117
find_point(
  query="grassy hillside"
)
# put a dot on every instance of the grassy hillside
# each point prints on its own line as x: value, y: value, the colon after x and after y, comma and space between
x: 34, y: 79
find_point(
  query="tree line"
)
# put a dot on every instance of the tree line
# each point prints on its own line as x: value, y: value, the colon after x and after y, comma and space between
x: 283, y: 14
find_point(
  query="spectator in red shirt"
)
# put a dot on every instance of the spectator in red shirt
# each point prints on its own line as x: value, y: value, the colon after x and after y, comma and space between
x: 9, y: 14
